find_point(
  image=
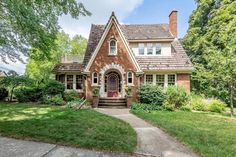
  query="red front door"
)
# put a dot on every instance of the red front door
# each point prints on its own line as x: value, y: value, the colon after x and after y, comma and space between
x: 112, y: 85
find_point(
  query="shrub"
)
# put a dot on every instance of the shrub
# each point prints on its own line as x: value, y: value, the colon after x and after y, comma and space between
x: 216, y: 106
x: 198, y: 103
x: 3, y: 93
x: 128, y: 91
x: 186, y: 108
x: 53, y: 87
x: 57, y: 100
x: 145, y: 107
x: 95, y: 91
x: 168, y: 107
x: 71, y: 95
x: 177, y: 96
x: 27, y: 94
x: 151, y: 94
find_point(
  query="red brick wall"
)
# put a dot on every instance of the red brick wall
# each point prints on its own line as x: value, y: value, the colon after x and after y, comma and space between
x: 184, y: 81
x: 173, y: 23
x: 102, y: 59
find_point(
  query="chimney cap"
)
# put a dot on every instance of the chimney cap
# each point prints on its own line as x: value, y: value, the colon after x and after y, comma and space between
x: 174, y: 10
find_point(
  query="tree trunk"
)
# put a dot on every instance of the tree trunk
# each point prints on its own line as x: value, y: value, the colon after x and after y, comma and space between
x: 11, y: 94
x: 232, y: 100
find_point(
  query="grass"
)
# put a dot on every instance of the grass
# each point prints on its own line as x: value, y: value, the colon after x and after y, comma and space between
x: 82, y: 128
x: 211, y: 135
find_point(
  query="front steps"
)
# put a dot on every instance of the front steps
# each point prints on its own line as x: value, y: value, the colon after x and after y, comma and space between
x: 112, y: 103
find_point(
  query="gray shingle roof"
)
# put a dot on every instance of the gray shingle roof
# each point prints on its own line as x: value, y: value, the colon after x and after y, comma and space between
x: 178, y: 60
x: 65, y: 67
x: 131, y: 32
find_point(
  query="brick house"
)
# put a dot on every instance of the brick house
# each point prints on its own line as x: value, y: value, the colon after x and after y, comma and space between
x: 118, y: 56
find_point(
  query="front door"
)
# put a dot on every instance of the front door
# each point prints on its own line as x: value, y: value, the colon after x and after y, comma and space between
x: 112, y: 85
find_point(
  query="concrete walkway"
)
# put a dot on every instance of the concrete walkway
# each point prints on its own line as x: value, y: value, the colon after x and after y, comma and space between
x: 151, y: 140
x: 19, y: 148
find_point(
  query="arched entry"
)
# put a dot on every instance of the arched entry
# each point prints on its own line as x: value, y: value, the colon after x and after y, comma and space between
x: 112, y: 84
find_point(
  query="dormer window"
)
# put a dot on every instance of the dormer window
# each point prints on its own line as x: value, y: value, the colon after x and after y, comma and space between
x: 112, y: 47
x: 141, y: 49
x: 158, y: 49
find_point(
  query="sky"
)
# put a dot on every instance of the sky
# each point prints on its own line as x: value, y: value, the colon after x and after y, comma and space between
x: 127, y: 12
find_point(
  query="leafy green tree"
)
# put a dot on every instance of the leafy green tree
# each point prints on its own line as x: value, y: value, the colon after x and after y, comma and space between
x: 211, y: 44
x: 40, y: 67
x: 32, y: 25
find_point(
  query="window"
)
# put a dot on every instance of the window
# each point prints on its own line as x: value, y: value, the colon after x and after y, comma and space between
x: 149, y: 49
x: 112, y: 50
x: 79, y: 81
x: 130, y: 78
x: 158, y: 49
x: 171, y: 79
x: 141, y: 49
x: 149, y: 79
x: 95, y: 78
x: 160, y: 80
x: 61, y: 78
x: 69, y: 82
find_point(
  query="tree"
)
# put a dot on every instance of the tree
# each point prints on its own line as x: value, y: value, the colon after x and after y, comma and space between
x: 211, y: 43
x: 32, y: 25
x: 40, y: 68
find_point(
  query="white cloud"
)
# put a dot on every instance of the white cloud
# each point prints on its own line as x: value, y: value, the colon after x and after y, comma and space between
x: 101, y: 11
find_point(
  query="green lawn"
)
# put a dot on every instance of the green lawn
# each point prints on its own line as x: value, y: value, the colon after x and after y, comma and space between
x: 83, y: 128
x: 211, y: 135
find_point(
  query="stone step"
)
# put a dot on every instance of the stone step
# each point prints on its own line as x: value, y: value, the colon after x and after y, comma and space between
x: 112, y: 101
x: 111, y: 104
x: 118, y: 107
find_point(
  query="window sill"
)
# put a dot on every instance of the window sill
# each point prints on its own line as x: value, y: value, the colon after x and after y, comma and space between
x: 95, y: 85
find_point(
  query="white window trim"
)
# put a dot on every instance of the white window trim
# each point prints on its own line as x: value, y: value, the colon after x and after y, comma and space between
x: 153, y: 49
x: 74, y: 84
x: 110, y: 54
x: 94, y: 84
x: 130, y: 84
x: 144, y: 48
x: 165, y: 76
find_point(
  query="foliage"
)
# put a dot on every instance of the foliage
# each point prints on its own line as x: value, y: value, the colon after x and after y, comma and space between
x: 168, y: 107
x: 28, y: 94
x: 96, y: 91
x: 3, y: 93
x: 151, y: 94
x: 177, y: 96
x: 57, y: 100
x: 198, y: 103
x: 71, y: 95
x: 64, y: 126
x: 32, y: 24
x: 40, y: 69
x: 216, y: 106
x: 14, y: 81
x: 208, y: 134
x: 145, y: 107
x: 53, y: 87
x: 211, y: 44
x: 128, y: 90
x: 186, y: 108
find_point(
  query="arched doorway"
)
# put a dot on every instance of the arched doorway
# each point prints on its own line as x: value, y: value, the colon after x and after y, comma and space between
x: 112, y: 84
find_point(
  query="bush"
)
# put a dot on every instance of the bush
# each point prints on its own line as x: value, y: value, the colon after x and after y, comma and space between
x: 216, y: 106
x: 168, y: 107
x: 198, y: 103
x: 71, y: 95
x: 96, y: 91
x: 177, y: 96
x: 145, y: 107
x: 3, y: 93
x: 57, y: 100
x: 151, y: 94
x: 53, y: 87
x: 27, y: 94
x: 186, y: 108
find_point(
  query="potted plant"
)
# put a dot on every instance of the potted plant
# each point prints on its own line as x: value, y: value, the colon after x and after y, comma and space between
x: 128, y: 91
x: 95, y: 96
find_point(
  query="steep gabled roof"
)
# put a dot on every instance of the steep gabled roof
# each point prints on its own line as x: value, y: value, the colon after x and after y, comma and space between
x: 65, y: 67
x: 131, y: 32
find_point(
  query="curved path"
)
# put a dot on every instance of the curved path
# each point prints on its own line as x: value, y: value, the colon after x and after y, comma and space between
x: 152, y: 141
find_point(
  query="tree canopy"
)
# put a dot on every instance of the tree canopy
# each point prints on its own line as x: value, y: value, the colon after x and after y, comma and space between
x: 32, y: 25
x: 211, y: 44
x: 40, y: 68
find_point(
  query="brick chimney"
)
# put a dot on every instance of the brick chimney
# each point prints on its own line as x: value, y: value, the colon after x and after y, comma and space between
x: 173, y: 23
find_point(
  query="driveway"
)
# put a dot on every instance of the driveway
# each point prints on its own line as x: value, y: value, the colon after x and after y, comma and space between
x: 152, y: 141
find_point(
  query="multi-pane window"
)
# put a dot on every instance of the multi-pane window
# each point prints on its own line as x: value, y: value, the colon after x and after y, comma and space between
x: 69, y: 82
x: 79, y: 81
x: 61, y: 78
x: 149, y: 79
x: 141, y: 49
x: 158, y: 49
x: 149, y: 49
x: 171, y: 79
x: 160, y: 80
x: 130, y: 78
x: 113, y: 49
x: 95, y: 78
